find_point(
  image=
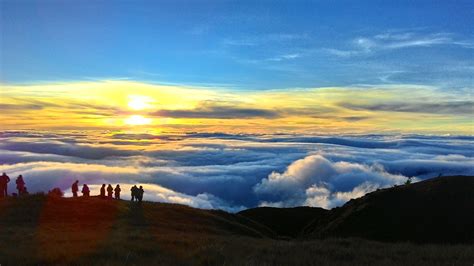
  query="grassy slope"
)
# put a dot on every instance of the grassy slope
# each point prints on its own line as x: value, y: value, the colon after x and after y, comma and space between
x: 58, y: 229
x: 40, y: 230
x: 434, y: 210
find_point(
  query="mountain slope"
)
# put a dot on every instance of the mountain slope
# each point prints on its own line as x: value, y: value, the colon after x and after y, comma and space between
x: 63, y: 230
x: 38, y: 230
x: 435, y: 210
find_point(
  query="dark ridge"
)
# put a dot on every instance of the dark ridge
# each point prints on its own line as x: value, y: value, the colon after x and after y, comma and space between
x: 285, y: 222
x: 438, y: 210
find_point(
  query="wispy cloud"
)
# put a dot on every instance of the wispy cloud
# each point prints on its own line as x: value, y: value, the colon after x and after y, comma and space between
x: 210, y: 110
x: 284, y: 57
x: 264, y: 39
x: 6, y: 107
x: 400, y: 40
x: 458, y: 107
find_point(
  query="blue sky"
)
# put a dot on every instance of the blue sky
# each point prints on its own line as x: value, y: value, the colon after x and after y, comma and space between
x: 239, y: 44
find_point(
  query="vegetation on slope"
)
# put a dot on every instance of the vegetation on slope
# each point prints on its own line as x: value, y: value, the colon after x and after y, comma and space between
x: 285, y: 222
x: 435, y: 210
x: 45, y: 230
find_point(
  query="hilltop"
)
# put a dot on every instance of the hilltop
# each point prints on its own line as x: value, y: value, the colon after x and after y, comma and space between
x: 42, y: 230
x: 435, y: 210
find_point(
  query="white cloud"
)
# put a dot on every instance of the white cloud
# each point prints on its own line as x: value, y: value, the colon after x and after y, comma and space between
x: 400, y: 40
x: 316, y: 181
x: 284, y: 57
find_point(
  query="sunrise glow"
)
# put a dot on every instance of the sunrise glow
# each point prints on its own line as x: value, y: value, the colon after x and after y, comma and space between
x: 137, y: 120
x: 139, y: 102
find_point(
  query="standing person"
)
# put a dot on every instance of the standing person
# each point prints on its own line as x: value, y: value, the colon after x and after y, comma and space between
x: 102, y: 191
x: 75, y: 188
x: 110, y: 191
x: 140, y: 192
x: 134, y: 193
x: 85, y: 191
x: 117, y: 191
x: 4, y: 179
x: 2, y: 186
x: 20, y: 185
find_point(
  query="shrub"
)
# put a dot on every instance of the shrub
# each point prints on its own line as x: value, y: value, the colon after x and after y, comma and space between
x: 56, y: 192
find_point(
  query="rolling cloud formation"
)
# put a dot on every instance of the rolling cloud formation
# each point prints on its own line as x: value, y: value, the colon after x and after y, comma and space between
x: 232, y: 171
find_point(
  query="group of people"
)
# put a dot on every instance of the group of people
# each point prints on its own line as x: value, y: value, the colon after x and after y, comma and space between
x: 105, y: 191
x: 75, y: 188
x: 137, y: 193
x: 20, y: 186
x: 86, y: 191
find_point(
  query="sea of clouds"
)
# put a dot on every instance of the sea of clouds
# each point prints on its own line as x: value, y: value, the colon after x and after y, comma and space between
x: 232, y: 172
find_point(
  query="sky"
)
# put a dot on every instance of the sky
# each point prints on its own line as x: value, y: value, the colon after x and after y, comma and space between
x: 303, y: 66
x: 236, y: 104
x: 239, y: 44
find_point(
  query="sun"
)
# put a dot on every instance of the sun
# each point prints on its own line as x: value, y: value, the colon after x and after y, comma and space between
x: 137, y: 120
x: 139, y: 102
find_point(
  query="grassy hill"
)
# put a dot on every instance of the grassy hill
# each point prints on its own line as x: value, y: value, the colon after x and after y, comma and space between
x: 39, y: 230
x: 435, y: 210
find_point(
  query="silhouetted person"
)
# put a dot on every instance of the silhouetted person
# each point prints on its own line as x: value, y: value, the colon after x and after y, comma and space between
x: 75, y: 188
x: 110, y: 191
x: 140, y: 192
x: 117, y: 191
x: 4, y: 179
x: 20, y: 185
x: 102, y: 191
x: 85, y: 191
x: 134, y: 193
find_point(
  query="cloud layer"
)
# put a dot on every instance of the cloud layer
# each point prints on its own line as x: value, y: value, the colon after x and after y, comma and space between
x: 232, y: 171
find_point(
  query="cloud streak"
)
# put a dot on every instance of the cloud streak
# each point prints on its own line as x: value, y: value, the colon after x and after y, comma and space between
x: 398, y: 40
x: 208, y: 110
x: 457, y: 107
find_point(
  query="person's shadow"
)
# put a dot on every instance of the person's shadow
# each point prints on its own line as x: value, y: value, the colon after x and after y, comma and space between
x: 136, y: 216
